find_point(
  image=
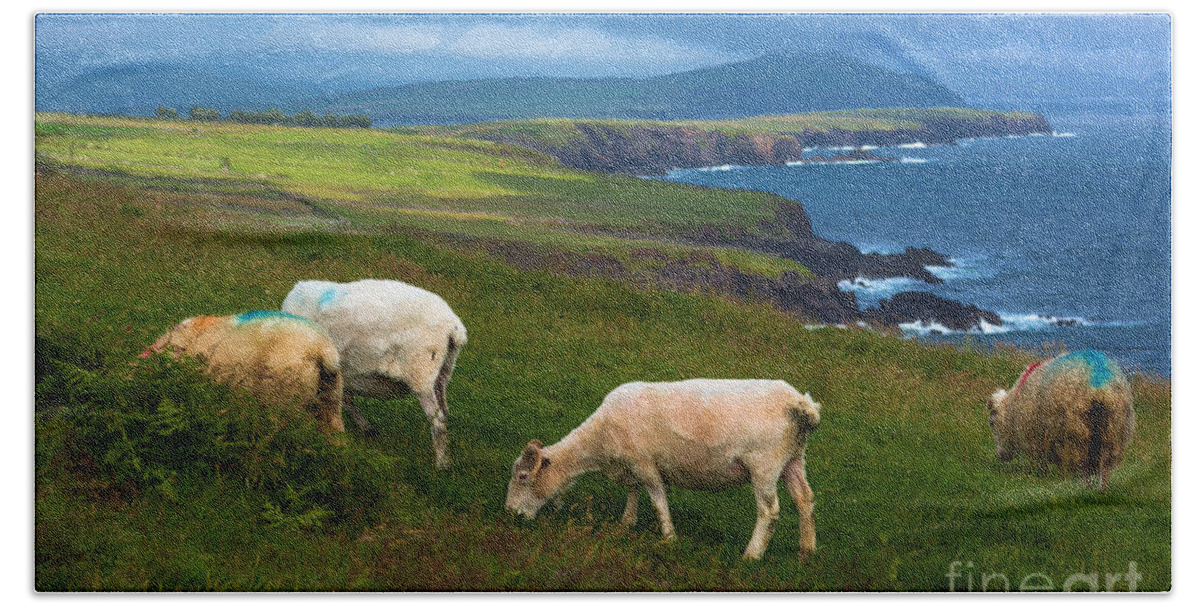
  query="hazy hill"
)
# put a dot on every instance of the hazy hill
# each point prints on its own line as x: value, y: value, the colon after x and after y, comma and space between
x: 773, y: 84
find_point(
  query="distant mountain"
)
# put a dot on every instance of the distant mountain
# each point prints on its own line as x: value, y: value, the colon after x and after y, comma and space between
x: 773, y: 84
x: 138, y: 89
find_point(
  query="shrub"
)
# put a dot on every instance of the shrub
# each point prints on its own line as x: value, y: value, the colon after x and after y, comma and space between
x: 162, y: 423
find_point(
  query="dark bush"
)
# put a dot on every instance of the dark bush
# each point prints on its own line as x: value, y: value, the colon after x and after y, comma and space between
x: 161, y: 423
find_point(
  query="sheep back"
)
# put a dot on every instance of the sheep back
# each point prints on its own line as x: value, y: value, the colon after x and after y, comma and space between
x: 736, y: 415
x: 382, y: 327
x: 1075, y: 411
x: 277, y: 357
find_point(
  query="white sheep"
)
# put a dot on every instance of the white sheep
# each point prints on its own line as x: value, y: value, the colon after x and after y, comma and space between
x: 279, y: 358
x: 697, y: 434
x: 1074, y: 411
x: 393, y: 338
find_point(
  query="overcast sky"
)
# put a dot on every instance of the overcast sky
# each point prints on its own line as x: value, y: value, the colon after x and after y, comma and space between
x: 961, y: 50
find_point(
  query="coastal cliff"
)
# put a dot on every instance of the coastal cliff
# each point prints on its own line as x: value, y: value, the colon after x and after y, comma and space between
x: 654, y: 148
x: 789, y: 235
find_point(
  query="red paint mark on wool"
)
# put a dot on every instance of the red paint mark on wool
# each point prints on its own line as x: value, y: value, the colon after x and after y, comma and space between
x: 203, y: 323
x: 1029, y: 370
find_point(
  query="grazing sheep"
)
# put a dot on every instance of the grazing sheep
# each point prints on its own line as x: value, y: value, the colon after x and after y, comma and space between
x: 279, y: 358
x: 697, y: 434
x: 393, y: 338
x: 1075, y: 410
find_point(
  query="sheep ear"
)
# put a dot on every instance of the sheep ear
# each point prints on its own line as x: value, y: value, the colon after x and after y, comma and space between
x: 531, y: 458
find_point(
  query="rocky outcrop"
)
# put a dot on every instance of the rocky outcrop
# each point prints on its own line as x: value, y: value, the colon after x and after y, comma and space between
x: 927, y: 308
x: 790, y: 236
x: 813, y: 298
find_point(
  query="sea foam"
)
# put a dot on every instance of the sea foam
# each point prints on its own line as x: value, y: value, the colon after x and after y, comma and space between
x: 870, y: 291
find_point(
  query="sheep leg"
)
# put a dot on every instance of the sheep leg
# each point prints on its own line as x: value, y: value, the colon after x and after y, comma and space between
x: 437, y: 426
x: 1103, y: 479
x: 767, y: 500
x: 629, y: 518
x: 658, y: 497
x: 797, y: 485
x: 359, y: 419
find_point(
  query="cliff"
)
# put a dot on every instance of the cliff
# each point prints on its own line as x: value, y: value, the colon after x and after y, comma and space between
x: 653, y: 148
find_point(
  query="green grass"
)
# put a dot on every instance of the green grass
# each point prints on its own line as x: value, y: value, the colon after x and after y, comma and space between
x: 378, y: 180
x: 340, y: 166
x: 903, y: 468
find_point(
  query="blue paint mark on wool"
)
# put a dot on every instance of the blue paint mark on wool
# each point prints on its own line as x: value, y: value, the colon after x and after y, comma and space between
x: 266, y: 315
x: 1098, y: 363
x: 329, y: 296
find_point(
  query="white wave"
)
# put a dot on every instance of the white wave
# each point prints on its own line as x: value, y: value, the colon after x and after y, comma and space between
x: 968, y: 267
x: 870, y: 291
x: 908, y: 160
x: 878, y: 248
x: 926, y: 328
x: 868, y: 147
x: 718, y: 168
x: 1036, y: 322
x: 923, y: 328
x: 795, y: 163
x: 1057, y: 134
x: 1027, y: 322
x: 915, y: 144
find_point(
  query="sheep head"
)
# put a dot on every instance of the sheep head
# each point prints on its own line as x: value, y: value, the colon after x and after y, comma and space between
x: 528, y: 489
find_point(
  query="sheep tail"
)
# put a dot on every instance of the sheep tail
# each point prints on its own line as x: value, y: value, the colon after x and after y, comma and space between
x: 443, y: 377
x: 1097, y: 419
x: 807, y: 413
x: 329, y: 388
x: 328, y: 375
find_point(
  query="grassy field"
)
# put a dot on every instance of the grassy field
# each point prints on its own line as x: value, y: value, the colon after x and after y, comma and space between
x: 148, y: 478
x: 481, y: 182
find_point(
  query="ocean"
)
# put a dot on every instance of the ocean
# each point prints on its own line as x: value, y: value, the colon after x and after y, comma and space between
x: 1066, y: 236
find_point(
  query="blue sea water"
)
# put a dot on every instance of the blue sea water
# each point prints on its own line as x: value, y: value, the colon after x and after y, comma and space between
x: 1074, y: 226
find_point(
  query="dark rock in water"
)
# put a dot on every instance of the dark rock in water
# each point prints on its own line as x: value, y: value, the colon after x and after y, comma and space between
x: 835, y: 260
x: 909, y: 306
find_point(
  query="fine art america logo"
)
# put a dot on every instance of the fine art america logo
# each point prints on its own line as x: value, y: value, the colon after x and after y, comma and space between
x: 964, y: 577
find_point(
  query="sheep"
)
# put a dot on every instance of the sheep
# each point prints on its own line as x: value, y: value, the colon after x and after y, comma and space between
x: 279, y: 358
x: 698, y: 434
x: 393, y: 338
x: 1075, y: 410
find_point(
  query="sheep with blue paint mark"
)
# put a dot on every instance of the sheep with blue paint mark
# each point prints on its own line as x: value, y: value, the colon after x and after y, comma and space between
x: 394, y: 338
x: 278, y: 357
x: 1074, y: 411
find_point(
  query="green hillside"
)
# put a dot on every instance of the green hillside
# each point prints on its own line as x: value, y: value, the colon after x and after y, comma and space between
x: 772, y: 84
x: 366, y: 173
x: 148, y: 478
